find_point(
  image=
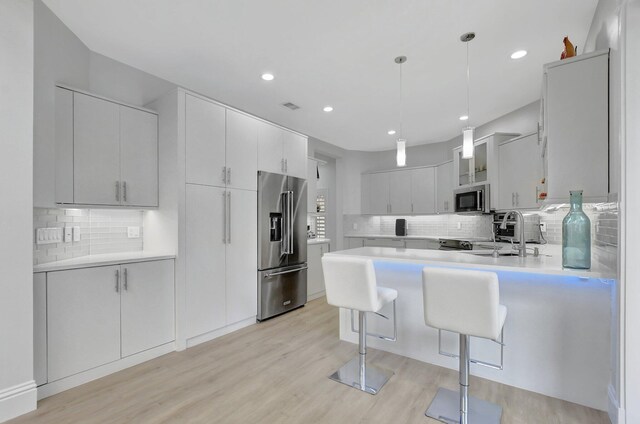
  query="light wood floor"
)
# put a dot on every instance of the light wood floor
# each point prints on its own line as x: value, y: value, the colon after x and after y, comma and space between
x: 276, y: 372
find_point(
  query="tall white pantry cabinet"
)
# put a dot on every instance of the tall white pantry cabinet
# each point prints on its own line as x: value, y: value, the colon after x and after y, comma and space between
x: 209, y: 166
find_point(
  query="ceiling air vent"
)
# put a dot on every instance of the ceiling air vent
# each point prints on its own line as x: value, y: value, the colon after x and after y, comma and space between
x: 291, y: 106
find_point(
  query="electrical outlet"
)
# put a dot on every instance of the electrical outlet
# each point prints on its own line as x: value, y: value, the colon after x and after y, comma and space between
x: 459, y: 225
x: 68, y: 234
x: 355, y: 226
x: 133, y: 232
x: 543, y: 227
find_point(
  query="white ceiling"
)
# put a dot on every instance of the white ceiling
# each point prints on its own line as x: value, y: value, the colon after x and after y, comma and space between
x: 340, y: 53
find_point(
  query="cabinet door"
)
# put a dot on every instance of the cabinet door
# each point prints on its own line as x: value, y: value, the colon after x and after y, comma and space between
x: 577, y: 129
x: 40, y: 328
x: 444, y: 190
x: 147, y: 305
x: 365, y: 194
x: 423, y: 190
x: 242, y: 151
x: 481, y: 162
x: 139, y: 157
x: 519, y: 173
x: 64, y: 148
x: 242, y: 256
x: 96, y: 151
x: 383, y: 242
x: 312, y: 186
x: 379, y: 193
x: 205, y: 142
x: 354, y: 242
x: 295, y: 154
x: 399, y: 192
x: 315, y: 278
x: 270, y: 139
x: 463, y: 169
x: 205, y: 259
x: 83, y: 320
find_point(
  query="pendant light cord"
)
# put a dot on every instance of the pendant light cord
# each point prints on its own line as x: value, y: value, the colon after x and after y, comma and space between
x: 401, y: 104
x: 468, y: 84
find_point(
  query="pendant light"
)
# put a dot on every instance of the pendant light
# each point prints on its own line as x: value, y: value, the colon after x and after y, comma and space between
x: 401, y: 143
x: 467, y: 132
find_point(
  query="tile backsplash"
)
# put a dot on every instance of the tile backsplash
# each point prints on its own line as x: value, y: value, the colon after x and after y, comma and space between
x: 101, y: 231
x: 429, y: 225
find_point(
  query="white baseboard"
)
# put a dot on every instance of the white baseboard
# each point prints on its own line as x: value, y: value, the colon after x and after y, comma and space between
x: 220, y: 332
x: 616, y: 414
x: 17, y: 400
x: 75, y: 380
x: 315, y: 296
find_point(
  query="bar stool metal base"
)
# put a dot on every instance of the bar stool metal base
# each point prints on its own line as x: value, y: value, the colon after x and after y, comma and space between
x: 349, y: 374
x: 445, y: 407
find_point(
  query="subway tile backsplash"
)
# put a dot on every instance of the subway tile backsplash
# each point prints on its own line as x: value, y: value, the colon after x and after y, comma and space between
x: 101, y: 231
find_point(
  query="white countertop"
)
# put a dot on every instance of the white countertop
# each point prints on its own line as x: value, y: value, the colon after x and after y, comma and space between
x: 414, y: 237
x: 549, y: 262
x: 101, y: 260
x: 318, y: 241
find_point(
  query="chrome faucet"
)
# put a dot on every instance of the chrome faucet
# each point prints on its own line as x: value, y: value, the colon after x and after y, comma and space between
x: 522, y: 246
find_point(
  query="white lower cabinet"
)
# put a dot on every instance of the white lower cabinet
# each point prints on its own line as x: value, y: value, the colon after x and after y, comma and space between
x: 83, y: 320
x: 147, y: 305
x: 40, y: 328
x: 221, y: 257
x: 315, y: 276
x: 353, y: 242
x: 383, y: 242
x: 99, y: 315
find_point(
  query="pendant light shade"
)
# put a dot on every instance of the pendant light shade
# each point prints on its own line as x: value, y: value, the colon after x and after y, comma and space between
x: 467, y: 143
x: 401, y: 152
x: 401, y: 144
x: 467, y: 133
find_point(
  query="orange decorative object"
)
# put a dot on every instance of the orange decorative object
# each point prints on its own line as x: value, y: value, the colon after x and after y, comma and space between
x: 569, y: 50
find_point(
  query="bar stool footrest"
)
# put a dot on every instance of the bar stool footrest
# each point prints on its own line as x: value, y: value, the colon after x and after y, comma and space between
x: 349, y: 374
x: 445, y: 407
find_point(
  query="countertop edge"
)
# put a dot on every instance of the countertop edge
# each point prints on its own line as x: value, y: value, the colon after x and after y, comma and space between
x: 99, y: 260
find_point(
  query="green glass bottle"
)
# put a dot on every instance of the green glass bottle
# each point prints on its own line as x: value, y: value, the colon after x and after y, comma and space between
x: 576, y: 235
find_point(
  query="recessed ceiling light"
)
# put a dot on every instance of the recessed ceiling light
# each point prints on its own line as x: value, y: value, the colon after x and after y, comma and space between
x: 463, y: 118
x: 391, y: 132
x: 267, y: 77
x: 327, y: 108
x: 519, y: 54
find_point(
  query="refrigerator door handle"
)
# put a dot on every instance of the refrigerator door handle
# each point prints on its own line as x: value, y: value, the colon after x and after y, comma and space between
x: 224, y: 217
x: 284, y: 243
x: 289, y: 271
x: 229, y: 215
x: 290, y: 223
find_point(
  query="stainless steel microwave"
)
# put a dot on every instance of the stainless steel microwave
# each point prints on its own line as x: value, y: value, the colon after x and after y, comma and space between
x: 475, y: 199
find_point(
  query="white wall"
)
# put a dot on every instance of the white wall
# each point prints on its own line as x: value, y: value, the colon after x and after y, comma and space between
x: 17, y: 388
x: 61, y: 58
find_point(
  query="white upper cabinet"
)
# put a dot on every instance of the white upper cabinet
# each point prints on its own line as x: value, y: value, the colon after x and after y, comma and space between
x: 520, y: 172
x: 444, y: 187
x: 242, y: 151
x: 205, y: 142
x: 270, y: 139
x: 423, y: 190
x: 312, y: 186
x: 399, y: 192
x: 281, y: 151
x: 379, y: 193
x: 576, y: 127
x: 139, y: 157
x: 106, y: 152
x: 96, y: 151
x: 294, y: 149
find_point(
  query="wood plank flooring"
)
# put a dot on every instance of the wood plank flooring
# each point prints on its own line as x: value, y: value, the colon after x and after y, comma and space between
x: 276, y: 372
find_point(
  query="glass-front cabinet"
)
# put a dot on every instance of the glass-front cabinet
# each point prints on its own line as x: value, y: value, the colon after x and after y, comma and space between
x: 475, y: 170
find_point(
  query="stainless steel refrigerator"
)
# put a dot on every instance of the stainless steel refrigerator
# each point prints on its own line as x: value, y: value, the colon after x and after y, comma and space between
x: 282, y: 244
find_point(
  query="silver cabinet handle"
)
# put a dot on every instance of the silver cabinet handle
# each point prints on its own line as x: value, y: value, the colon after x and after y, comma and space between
x: 224, y: 217
x: 126, y: 280
x: 273, y: 274
x: 124, y: 191
x: 224, y: 174
x: 229, y: 176
x: 117, y: 280
x: 118, y: 191
x: 229, y: 216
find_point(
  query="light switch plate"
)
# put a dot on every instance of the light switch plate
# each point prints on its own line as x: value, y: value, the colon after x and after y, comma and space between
x: 76, y: 233
x: 133, y: 232
x: 48, y: 235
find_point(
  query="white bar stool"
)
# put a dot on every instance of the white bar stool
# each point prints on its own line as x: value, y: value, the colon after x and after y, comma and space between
x: 351, y: 283
x: 465, y: 302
